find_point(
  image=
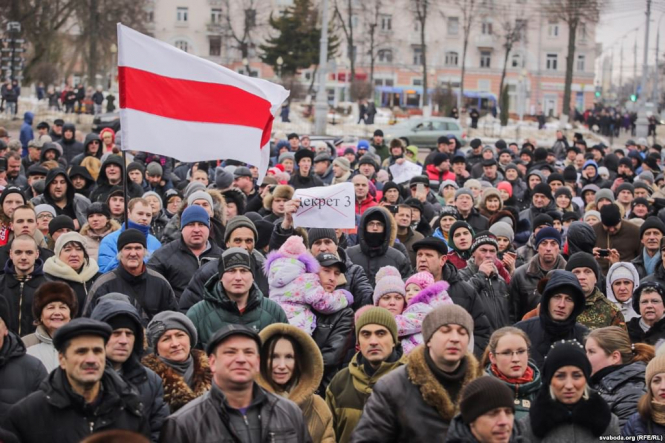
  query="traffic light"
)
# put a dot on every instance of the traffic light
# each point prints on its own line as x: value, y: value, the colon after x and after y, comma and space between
x: 633, y: 97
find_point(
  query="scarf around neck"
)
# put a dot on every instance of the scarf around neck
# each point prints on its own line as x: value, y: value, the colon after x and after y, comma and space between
x: 650, y: 262
x: 527, y: 377
x: 144, y: 229
x: 184, y: 368
x: 658, y: 412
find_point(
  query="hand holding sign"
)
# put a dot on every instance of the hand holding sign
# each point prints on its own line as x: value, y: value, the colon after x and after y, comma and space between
x: 326, y: 207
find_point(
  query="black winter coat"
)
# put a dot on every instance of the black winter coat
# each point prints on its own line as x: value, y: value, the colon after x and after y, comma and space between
x: 19, y: 295
x: 357, y: 282
x: 20, y: 374
x: 148, y: 384
x: 334, y: 335
x: 541, y: 341
x: 651, y: 337
x: 177, y: 264
x: 459, y: 432
x: 193, y: 293
x: 523, y: 287
x: 493, y: 293
x: 208, y: 419
x: 103, y: 188
x: 299, y: 182
x: 463, y: 294
x: 477, y: 221
x: 150, y: 293
x: 621, y: 387
x: 71, y: 147
x: 55, y: 414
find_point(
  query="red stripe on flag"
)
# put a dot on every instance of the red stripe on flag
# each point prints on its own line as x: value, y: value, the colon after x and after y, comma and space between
x: 193, y: 101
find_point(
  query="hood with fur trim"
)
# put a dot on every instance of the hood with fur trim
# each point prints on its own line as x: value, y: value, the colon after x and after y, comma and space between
x: 389, y: 223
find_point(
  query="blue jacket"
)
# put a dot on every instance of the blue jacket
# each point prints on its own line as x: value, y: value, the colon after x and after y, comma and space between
x: 108, y: 249
x: 637, y: 426
x: 26, y: 131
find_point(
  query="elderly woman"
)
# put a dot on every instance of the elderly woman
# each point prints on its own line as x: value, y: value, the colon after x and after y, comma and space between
x: 53, y: 306
x: 622, y: 281
x: 507, y: 359
x: 650, y: 416
x: 649, y: 328
x: 159, y: 218
x: 184, y: 371
x: 565, y: 408
x: 617, y: 369
x: 292, y: 367
x: 71, y: 264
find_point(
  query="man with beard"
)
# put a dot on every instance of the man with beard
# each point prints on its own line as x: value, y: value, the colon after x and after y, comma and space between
x: 80, y: 397
x: 60, y: 194
x: 523, y: 290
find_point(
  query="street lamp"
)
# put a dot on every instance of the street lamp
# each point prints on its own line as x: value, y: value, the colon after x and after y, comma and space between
x: 245, y: 63
x: 114, y: 69
x: 280, y: 62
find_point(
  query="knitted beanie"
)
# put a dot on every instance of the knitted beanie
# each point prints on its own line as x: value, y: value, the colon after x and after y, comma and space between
x: 239, y: 221
x: 315, y: 234
x: 565, y: 353
x: 548, y: 233
x: 466, y: 191
x: 421, y: 279
x: 377, y: 316
x: 484, y: 239
x: 591, y: 214
x: 445, y: 315
x: 544, y: 189
x: 39, y: 209
x: 503, y: 229
x: 652, y: 223
x: 199, y: 195
x: 506, y: 186
x: 129, y: 236
x: 194, y: 214
x: 610, y: 215
x: 168, y: 320
x: 293, y: 247
x: 483, y: 395
x: 387, y: 271
x: 388, y: 285
x: 606, y: 194
x: 655, y: 367
x: 582, y: 260
x: 60, y: 222
x: 343, y: 163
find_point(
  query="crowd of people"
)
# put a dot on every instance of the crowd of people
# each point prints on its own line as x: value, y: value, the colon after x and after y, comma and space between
x: 511, y: 292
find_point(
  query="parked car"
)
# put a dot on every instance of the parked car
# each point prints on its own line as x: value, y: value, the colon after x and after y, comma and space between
x: 424, y: 132
x: 109, y: 120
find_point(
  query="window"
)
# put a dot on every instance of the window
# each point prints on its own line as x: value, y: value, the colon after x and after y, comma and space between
x: 453, y: 25
x: 452, y: 58
x: 552, y: 62
x: 384, y: 82
x: 522, y: 27
x: 516, y: 61
x: 386, y: 22
x: 417, y: 81
x: 250, y: 18
x: 215, y: 15
x: 418, y: 55
x: 354, y: 21
x: 486, y: 28
x: 182, y: 14
x: 553, y: 29
x: 581, y: 32
x: 215, y: 45
x: 182, y: 45
x: 485, y: 59
x: 581, y: 62
x: 385, y: 56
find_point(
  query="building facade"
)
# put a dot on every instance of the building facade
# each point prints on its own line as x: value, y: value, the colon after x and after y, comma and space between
x: 534, y: 68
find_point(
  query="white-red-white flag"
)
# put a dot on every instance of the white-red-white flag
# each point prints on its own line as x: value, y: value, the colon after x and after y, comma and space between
x: 182, y: 106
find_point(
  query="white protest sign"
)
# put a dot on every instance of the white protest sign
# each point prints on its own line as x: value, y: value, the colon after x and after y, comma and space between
x: 405, y: 172
x: 326, y: 207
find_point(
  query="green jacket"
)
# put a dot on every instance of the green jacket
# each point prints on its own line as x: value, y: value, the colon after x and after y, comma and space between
x: 217, y: 310
x: 382, y: 151
x: 600, y: 312
x: 348, y: 392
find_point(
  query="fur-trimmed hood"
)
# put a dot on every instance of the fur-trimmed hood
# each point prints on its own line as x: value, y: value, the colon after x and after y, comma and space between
x: 431, y: 390
x: 176, y: 391
x: 311, y: 363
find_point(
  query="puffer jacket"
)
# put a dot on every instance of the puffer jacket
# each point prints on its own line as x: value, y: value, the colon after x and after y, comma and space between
x: 493, y: 292
x: 460, y: 432
x: 93, y: 240
x: 20, y: 294
x: 108, y: 248
x: 465, y: 296
x: 20, y: 374
x: 78, y: 202
x: 81, y: 282
x: 318, y: 418
x: 413, y: 388
x: 177, y: 264
x: 40, y: 345
x: 523, y: 287
x: 147, y: 382
x: 193, y: 293
x: 621, y: 387
x: 373, y: 259
x: 158, y: 224
x: 525, y: 393
x: 349, y: 390
x: 637, y: 426
x: 217, y: 309
x: 209, y: 418
x: 64, y: 417
x: 334, y: 335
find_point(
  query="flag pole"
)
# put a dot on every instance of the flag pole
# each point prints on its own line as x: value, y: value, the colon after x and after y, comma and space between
x: 124, y: 186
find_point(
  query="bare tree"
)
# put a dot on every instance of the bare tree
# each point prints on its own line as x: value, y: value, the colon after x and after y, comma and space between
x: 420, y: 10
x: 347, y: 29
x: 242, y: 31
x: 469, y: 10
x: 370, y: 10
x: 574, y: 13
x: 512, y: 31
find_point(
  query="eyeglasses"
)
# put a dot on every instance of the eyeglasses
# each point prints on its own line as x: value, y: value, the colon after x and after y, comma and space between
x: 652, y: 302
x: 509, y: 354
x: 44, y: 216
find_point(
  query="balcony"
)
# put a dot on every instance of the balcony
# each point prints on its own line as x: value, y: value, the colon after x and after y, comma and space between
x: 215, y: 28
x: 485, y: 42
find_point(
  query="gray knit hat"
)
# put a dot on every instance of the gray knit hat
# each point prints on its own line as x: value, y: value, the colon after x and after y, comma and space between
x: 503, y: 229
x: 284, y: 155
x: 199, y: 195
x: 604, y: 193
x: 315, y: 234
x: 466, y: 191
x: 154, y: 194
x: 239, y: 221
x: 167, y: 320
x: 446, y: 315
x: 343, y: 163
x: 45, y: 208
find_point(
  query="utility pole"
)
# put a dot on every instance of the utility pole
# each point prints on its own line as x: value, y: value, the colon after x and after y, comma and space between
x: 642, y: 123
x: 656, y: 93
x: 635, y: 67
x: 620, y: 71
x: 321, y: 106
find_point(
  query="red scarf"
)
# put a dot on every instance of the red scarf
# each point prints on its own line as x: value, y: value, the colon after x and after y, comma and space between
x: 4, y: 235
x: 527, y: 377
